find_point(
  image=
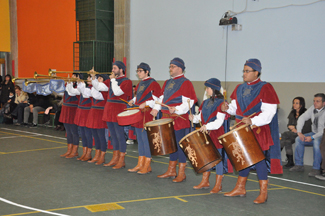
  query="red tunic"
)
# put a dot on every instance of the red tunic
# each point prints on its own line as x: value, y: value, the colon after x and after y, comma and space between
x: 144, y: 93
x: 82, y: 111
x: 95, y: 115
x: 114, y: 105
x: 185, y: 88
x: 266, y: 95
x: 69, y: 108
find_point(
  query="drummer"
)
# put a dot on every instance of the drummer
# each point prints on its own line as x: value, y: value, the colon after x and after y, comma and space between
x: 255, y: 96
x: 118, y: 87
x: 175, y: 94
x: 212, y: 119
x: 145, y: 91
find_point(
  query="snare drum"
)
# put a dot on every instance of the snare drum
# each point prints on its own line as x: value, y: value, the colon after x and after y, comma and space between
x: 129, y: 117
x: 161, y: 136
x: 201, y: 155
x: 242, y: 147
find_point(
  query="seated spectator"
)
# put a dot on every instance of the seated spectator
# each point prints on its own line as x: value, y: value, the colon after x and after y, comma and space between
x: 58, y: 125
x: 36, y: 104
x: 54, y: 108
x: 6, y: 87
x: 21, y: 100
x: 288, y: 137
x: 317, y: 115
x: 322, y: 151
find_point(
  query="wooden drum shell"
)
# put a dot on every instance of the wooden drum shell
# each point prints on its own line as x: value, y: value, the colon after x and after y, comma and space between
x: 161, y: 136
x: 242, y: 147
x: 201, y: 155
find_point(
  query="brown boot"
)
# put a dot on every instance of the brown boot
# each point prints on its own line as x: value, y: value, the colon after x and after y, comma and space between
x: 96, y: 157
x: 101, y: 158
x: 217, y: 187
x: 68, y: 151
x: 181, y: 173
x: 239, y: 189
x: 139, y: 166
x: 74, y: 152
x: 205, y: 181
x: 171, y: 171
x: 84, y: 151
x: 262, y: 198
x: 88, y: 155
x: 121, y: 162
x: 146, y: 168
x: 116, y: 156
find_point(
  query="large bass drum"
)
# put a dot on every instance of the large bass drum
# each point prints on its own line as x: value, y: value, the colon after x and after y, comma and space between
x: 200, y: 151
x: 161, y: 136
x: 242, y: 147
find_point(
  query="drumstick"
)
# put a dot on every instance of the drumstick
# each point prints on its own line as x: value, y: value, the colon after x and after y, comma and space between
x: 189, y: 107
x: 124, y: 100
x: 135, y: 108
x: 157, y: 102
x: 241, y: 121
x: 205, y: 137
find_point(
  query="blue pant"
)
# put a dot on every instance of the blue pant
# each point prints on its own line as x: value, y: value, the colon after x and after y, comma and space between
x: 219, y: 166
x: 143, y: 142
x: 117, y: 136
x: 86, y: 136
x: 179, y: 154
x: 300, y: 150
x: 72, y: 133
x: 100, y: 141
x: 261, y: 170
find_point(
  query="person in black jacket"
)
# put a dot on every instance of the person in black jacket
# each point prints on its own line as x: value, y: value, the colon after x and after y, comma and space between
x: 6, y: 87
x: 37, y: 103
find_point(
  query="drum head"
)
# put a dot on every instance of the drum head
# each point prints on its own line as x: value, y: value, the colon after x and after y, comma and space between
x: 230, y: 132
x: 128, y: 112
x: 158, y: 122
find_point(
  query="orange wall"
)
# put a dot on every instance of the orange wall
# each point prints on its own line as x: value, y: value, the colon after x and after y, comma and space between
x: 4, y: 26
x: 46, y: 32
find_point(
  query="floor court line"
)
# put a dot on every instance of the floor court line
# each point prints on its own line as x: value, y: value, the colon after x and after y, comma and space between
x: 39, y: 134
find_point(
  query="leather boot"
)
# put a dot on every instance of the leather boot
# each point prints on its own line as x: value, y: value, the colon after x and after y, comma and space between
x: 171, y: 171
x: 68, y: 151
x: 217, y: 187
x: 84, y: 150
x: 262, y: 198
x: 205, y: 182
x: 121, y: 162
x: 96, y: 157
x: 101, y: 159
x: 290, y: 162
x: 116, y: 156
x: 239, y: 189
x: 88, y: 155
x: 139, y: 165
x: 181, y: 173
x: 146, y: 168
x: 74, y: 152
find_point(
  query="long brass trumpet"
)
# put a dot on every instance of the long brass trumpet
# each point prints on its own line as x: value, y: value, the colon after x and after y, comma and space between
x: 87, y: 72
x: 41, y: 76
x: 20, y: 78
x: 35, y: 81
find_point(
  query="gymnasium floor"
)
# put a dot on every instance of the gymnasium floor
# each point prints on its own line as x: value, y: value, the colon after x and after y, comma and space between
x: 34, y: 177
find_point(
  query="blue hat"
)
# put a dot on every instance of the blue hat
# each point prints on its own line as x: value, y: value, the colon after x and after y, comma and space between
x: 104, y: 76
x: 254, y: 64
x: 213, y: 83
x: 178, y: 62
x: 144, y: 66
x: 120, y: 65
x: 79, y: 74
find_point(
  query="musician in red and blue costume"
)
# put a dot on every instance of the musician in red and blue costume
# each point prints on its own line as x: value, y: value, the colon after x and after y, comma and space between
x: 81, y: 117
x: 255, y: 96
x: 68, y: 112
x: 212, y: 119
x: 175, y: 94
x: 118, y: 87
x: 146, y: 90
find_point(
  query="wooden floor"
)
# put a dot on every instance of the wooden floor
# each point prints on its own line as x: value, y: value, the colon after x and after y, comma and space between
x: 34, y: 177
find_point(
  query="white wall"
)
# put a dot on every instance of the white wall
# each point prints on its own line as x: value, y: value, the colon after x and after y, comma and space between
x: 289, y: 41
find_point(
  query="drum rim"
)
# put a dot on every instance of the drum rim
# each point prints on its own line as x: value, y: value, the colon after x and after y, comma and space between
x: 130, y: 111
x: 168, y: 120
x: 190, y: 134
x: 230, y: 132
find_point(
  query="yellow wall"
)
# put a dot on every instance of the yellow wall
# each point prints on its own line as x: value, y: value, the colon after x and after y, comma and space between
x: 4, y: 26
